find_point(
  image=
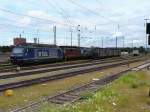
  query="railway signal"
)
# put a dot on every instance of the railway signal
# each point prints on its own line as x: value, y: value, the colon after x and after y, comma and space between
x: 147, y: 28
x: 147, y: 32
x: 149, y: 39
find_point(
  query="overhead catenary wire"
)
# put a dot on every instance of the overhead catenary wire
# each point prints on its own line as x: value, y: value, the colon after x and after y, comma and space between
x: 48, y: 20
x: 8, y: 24
x: 95, y: 13
x: 38, y: 19
x: 46, y: 33
x: 91, y: 11
x: 30, y: 26
x: 60, y: 10
x: 33, y: 17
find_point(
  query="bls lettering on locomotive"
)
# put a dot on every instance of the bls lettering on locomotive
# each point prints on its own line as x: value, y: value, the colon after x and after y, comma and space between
x: 43, y: 54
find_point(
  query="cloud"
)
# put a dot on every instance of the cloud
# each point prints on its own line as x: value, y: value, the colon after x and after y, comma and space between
x: 118, y: 34
x: 37, y: 13
x: 127, y: 14
x: 25, y: 21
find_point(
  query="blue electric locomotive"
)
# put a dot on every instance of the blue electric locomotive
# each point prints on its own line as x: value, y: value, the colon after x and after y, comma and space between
x: 32, y: 53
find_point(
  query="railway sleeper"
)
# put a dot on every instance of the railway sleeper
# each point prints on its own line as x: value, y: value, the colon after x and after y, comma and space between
x: 93, y: 87
x: 90, y: 89
x: 79, y: 90
x: 74, y: 94
x: 85, y: 89
x: 90, y: 86
x: 55, y: 101
x: 70, y: 96
x: 65, y: 99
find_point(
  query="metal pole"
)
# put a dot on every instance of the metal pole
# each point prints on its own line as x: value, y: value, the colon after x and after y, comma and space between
x: 71, y: 38
x: 116, y: 41
x: 123, y: 41
x: 132, y: 44
x: 38, y: 41
x: 37, y: 36
x: 54, y: 30
x: 102, y: 41
x: 117, y: 37
x: 71, y: 35
x: 78, y: 35
x: 20, y: 36
x: 79, y: 40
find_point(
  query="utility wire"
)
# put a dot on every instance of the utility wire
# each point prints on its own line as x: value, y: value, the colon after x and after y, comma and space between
x: 59, y: 10
x: 37, y: 18
x: 91, y: 11
x: 31, y: 26
x: 17, y: 27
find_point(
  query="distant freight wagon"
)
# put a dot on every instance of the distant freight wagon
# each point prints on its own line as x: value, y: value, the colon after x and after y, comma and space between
x: 34, y: 53
x: 71, y: 52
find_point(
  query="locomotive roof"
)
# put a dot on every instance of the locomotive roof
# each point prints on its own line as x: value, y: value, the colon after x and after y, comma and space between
x: 32, y: 45
x: 69, y: 47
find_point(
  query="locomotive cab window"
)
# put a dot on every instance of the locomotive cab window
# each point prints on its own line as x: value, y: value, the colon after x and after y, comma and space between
x: 18, y: 50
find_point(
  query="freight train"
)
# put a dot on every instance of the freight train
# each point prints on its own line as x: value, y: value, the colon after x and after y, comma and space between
x: 35, y: 53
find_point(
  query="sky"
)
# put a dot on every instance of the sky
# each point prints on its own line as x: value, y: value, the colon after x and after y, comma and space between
x: 99, y: 20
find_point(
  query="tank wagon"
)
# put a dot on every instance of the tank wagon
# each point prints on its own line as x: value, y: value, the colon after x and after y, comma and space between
x: 32, y: 53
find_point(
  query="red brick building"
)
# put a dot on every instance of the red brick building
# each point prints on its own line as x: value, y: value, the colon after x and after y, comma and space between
x: 19, y: 41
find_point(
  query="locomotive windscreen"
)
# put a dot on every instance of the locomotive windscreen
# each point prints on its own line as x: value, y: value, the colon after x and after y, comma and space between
x: 18, y: 50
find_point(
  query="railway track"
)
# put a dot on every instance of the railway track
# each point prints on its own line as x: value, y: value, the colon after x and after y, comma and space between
x: 52, y: 68
x: 73, y: 95
x: 10, y: 68
x: 32, y: 72
x: 60, y: 75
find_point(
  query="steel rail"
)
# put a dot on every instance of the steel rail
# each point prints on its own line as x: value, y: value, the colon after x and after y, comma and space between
x: 59, y: 76
x: 74, y: 94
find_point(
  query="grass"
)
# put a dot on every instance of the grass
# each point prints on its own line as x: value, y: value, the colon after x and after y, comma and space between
x: 24, y: 96
x: 128, y: 94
